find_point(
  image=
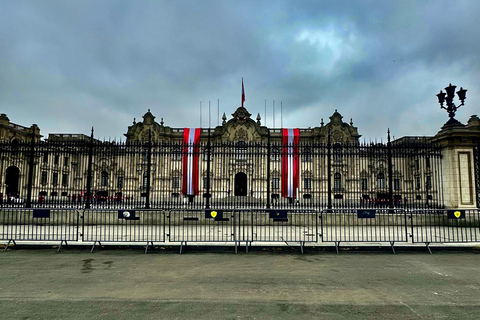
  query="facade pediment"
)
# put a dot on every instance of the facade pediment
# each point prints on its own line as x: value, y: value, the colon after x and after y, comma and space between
x: 241, y: 127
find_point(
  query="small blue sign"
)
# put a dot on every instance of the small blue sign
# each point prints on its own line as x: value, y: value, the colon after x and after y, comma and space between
x: 366, y: 214
x: 127, y: 215
x: 278, y: 214
x: 41, y: 213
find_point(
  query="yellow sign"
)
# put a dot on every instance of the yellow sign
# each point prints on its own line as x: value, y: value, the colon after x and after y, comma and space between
x: 214, y: 214
x: 457, y: 214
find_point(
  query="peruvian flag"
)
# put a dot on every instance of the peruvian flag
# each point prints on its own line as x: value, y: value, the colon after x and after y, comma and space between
x: 290, y: 162
x: 191, y: 139
x: 243, y: 94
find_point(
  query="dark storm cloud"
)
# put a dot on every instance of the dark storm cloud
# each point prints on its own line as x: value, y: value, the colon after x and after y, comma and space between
x: 70, y: 65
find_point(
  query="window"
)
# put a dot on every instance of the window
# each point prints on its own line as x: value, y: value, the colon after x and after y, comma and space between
x: 177, y: 153
x: 418, y: 183
x: 241, y: 150
x: 417, y: 164
x: 396, y: 184
x: 57, y: 159
x: 381, y: 180
x: 429, y: 182
x: 427, y: 162
x: 275, y: 154
x: 66, y: 161
x: 145, y: 180
x: 307, y: 154
x: 275, y: 183
x: 120, y: 182
x: 364, y: 184
x: 337, y: 152
x: 65, y: 179
x: 44, y: 178
x: 337, y: 181
x: 104, y: 179
x: 307, y: 183
x: 55, y: 178
x: 205, y: 181
x: 175, y: 182
x: 45, y: 157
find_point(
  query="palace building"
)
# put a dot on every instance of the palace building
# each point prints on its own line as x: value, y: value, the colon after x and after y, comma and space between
x: 240, y: 164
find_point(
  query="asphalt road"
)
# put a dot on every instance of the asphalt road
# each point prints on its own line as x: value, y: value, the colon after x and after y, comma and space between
x: 266, y: 283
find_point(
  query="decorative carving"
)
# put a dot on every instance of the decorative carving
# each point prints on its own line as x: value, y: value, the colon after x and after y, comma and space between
x: 241, y: 134
x: 337, y: 136
x: 241, y: 114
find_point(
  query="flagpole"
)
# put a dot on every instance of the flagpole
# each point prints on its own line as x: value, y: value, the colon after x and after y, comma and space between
x: 218, y: 112
x: 266, y: 113
x: 200, y: 114
x: 209, y: 117
x: 281, y: 114
x: 273, y: 114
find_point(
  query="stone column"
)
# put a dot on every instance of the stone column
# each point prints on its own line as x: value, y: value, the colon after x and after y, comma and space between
x: 460, y: 188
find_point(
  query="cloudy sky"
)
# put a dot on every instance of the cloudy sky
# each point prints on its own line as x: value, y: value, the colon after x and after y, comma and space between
x: 71, y: 65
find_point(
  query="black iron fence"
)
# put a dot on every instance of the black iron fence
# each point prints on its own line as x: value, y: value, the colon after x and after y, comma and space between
x: 405, y: 173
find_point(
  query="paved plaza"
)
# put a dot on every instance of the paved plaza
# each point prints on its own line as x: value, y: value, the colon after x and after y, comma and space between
x: 213, y: 283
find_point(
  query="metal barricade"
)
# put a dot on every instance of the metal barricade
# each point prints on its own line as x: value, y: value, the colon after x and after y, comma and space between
x: 39, y: 225
x: 127, y: 225
x: 364, y: 225
x: 272, y: 225
x: 201, y: 226
x: 445, y: 226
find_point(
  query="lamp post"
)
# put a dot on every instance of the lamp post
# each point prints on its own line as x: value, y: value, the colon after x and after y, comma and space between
x: 448, y: 99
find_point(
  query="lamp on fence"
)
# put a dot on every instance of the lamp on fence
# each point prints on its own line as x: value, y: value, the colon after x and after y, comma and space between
x: 448, y: 98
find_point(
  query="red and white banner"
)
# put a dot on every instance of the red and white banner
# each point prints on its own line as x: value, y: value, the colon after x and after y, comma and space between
x: 290, y: 163
x: 191, y: 139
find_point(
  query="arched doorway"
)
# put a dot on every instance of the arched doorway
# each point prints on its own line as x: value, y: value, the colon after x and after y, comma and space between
x: 241, y: 184
x: 11, y: 180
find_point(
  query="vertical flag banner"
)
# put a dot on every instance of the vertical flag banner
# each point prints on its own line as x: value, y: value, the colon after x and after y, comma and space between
x: 191, y: 139
x: 290, y: 163
x: 243, y: 94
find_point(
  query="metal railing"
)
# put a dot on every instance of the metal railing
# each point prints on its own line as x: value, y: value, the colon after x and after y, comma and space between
x: 123, y: 226
x: 227, y: 227
x: 445, y: 226
x: 39, y: 225
x: 364, y: 225
x: 287, y: 226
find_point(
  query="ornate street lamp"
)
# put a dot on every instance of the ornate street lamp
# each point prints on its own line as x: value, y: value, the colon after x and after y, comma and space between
x: 448, y: 98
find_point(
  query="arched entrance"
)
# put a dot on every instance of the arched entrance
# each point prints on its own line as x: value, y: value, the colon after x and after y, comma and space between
x: 241, y: 184
x: 11, y: 180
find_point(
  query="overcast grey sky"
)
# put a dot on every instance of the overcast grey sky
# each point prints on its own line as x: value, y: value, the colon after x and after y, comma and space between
x: 71, y: 65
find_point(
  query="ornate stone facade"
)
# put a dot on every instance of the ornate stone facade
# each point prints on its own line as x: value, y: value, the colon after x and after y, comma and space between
x: 10, y: 131
x: 241, y: 127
